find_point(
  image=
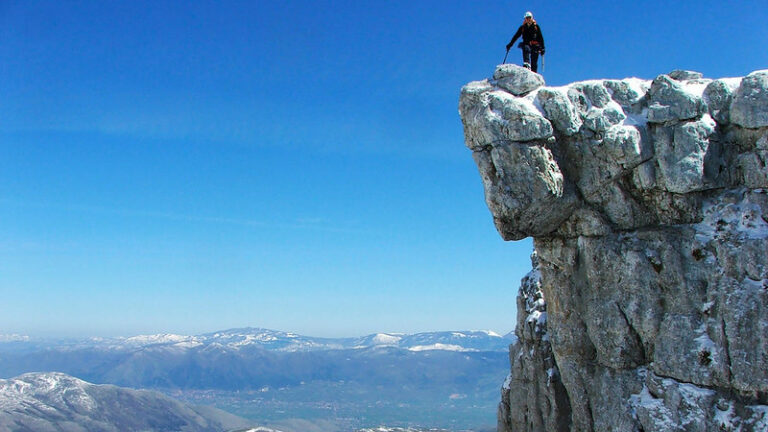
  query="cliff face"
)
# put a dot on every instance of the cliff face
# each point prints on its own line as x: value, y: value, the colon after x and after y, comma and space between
x: 647, y: 308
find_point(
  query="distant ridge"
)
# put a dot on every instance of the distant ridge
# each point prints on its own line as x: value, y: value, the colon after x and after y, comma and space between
x: 275, y: 340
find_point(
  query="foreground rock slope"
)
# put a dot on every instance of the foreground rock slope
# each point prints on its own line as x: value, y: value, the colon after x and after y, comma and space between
x: 647, y: 308
x: 43, y: 402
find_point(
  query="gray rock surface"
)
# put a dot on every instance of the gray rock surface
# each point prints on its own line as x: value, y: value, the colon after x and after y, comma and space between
x: 533, y: 393
x: 669, y: 101
x: 749, y: 107
x: 559, y: 109
x: 718, y: 95
x: 680, y: 152
x: 647, y: 309
x: 496, y: 116
x: 537, y: 183
x: 516, y: 79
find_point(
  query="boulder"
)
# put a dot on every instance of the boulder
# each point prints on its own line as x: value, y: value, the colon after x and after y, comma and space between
x: 559, y: 110
x: 492, y: 116
x: 525, y: 188
x: 749, y: 107
x: 669, y: 101
x: 718, y: 96
x: 627, y: 92
x: 516, y: 79
x: 680, y: 154
x: 684, y: 75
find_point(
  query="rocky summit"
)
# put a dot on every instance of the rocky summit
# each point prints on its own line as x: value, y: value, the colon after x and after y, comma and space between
x: 647, y: 306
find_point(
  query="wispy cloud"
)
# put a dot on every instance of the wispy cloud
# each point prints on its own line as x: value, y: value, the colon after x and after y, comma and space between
x: 301, y: 223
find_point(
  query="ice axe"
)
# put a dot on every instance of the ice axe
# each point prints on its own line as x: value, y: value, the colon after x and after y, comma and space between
x: 505, y: 57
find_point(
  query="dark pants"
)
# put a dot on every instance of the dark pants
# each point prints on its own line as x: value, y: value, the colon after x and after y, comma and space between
x: 531, y: 56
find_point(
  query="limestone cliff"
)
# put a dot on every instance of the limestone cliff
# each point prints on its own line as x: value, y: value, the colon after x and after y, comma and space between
x: 647, y: 308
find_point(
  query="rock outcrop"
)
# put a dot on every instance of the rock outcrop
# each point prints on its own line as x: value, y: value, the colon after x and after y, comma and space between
x: 647, y: 308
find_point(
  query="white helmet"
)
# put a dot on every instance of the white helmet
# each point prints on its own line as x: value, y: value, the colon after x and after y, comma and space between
x: 528, y: 15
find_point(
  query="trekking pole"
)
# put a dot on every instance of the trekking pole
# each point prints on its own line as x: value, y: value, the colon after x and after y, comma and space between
x: 543, y: 64
x: 505, y: 57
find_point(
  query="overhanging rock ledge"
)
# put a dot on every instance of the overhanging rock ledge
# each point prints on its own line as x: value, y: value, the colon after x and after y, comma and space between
x: 647, y: 307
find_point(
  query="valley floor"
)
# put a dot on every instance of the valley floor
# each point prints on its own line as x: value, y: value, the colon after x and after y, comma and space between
x: 345, y: 407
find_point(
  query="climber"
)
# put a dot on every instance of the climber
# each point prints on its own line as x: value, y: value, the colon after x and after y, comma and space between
x: 533, y: 42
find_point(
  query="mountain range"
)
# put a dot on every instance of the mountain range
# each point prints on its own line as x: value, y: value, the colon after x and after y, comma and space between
x: 272, y: 340
x: 278, y: 379
x: 253, y: 358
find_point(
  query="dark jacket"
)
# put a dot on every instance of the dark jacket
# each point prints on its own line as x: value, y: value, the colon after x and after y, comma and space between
x: 531, y: 35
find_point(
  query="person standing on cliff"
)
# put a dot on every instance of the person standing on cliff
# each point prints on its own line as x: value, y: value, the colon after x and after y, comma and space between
x: 533, y: 42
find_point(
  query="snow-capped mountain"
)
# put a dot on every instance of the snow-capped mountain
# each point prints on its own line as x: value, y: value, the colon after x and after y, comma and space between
x: 43, y: 402
x: 279, y: 341
x: 273, y: 340
x: 13, y: 338
x: 457, y: 341
x: 283, y: 341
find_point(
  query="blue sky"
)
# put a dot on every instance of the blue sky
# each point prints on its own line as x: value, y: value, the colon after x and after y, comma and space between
x: 298, y: 165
